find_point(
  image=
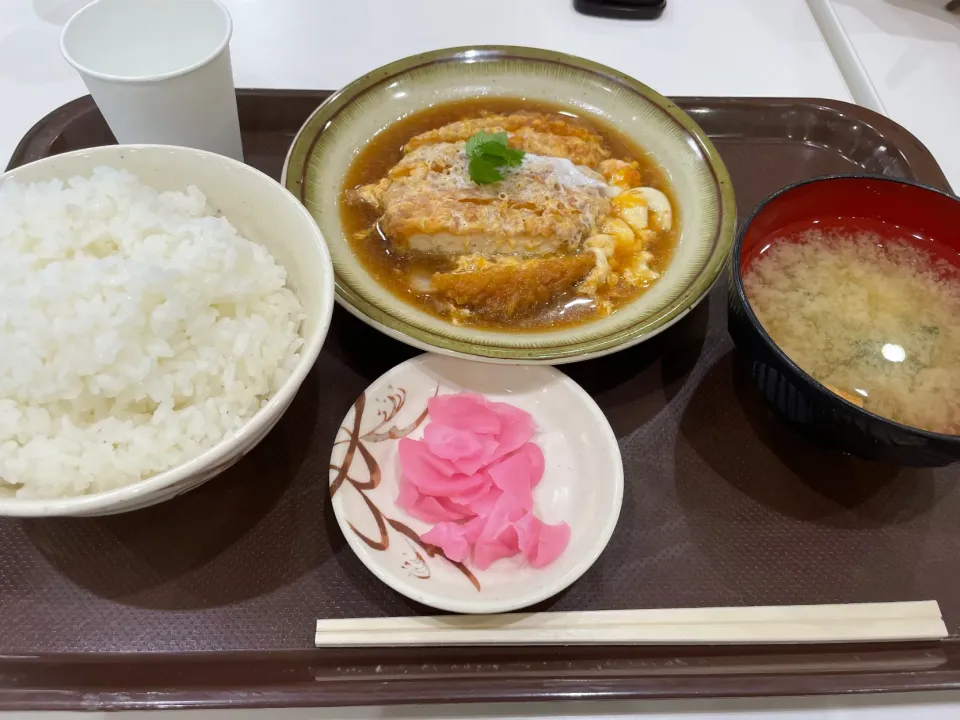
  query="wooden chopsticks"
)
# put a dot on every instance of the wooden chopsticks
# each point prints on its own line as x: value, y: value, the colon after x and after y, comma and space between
x: 865, y: 622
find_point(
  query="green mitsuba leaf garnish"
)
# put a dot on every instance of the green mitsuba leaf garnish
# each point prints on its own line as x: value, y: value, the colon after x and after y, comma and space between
x: 488, y: 152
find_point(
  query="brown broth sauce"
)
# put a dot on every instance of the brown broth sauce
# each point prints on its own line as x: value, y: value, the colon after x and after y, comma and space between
x: 393, y: 270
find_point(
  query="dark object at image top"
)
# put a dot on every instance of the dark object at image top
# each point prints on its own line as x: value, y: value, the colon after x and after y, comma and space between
x: 622, y: 9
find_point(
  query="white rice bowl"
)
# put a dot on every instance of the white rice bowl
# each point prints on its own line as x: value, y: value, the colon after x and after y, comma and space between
x: 138, y: 331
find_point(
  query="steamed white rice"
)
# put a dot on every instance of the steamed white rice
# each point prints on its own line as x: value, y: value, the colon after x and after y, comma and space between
x: 136, y: 331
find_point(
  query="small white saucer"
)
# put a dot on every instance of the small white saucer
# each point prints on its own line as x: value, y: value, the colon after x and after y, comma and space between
x: 582, y: 484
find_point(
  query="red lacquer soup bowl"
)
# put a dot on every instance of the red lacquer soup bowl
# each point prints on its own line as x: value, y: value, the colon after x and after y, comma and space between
x: 895, y: 210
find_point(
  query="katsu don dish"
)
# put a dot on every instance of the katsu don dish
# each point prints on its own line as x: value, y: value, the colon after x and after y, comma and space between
x: 513, y: 205
x: 509, y: 214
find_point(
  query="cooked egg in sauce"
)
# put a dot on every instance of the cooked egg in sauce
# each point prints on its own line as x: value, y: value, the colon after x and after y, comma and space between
x: 585, y: 222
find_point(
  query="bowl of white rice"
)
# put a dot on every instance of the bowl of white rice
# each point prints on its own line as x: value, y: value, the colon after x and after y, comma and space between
x: 159, y: 309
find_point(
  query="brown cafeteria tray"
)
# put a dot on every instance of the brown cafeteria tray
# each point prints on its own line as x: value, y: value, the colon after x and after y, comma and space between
x: 210, y: 599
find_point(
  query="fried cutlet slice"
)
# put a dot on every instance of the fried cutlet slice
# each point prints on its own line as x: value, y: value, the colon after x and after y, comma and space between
x: 539, y: 133
x: 511, y: 287
x: 428, y: 204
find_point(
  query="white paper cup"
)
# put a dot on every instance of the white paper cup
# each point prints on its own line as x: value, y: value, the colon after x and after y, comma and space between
x: 159, y: 70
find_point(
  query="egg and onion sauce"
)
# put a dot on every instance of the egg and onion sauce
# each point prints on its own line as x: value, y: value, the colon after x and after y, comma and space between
x: 509, y: 214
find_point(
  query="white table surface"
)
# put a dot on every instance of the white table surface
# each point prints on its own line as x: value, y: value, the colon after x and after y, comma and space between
x: 911, y: 51
x: 706, y: 47
x: 699, y: 47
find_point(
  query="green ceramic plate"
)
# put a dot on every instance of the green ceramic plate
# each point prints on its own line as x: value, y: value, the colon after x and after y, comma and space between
x: 327, y: 143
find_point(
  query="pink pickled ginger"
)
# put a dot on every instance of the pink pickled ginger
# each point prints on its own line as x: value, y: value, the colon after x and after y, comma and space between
x: 472, y: 476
